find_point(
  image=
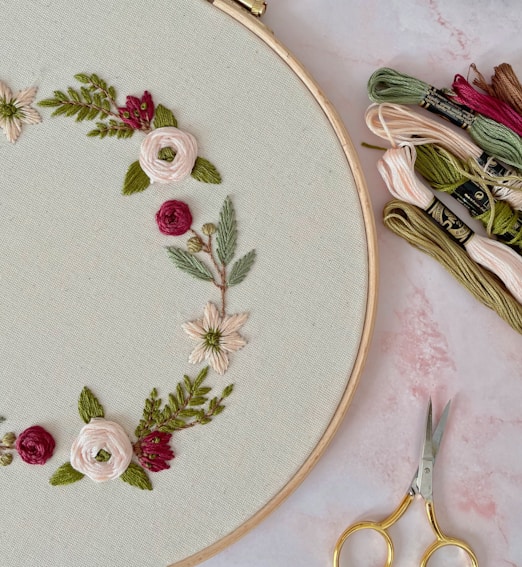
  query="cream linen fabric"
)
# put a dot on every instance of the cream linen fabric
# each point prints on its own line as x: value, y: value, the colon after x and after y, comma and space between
x: 89, y: 296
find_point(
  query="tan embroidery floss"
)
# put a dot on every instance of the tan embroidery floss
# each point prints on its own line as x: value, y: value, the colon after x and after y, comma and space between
x: 415, y: 226
x: 504, y: 85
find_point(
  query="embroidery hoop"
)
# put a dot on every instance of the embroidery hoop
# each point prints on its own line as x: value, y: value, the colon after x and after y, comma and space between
x: 249, y: 24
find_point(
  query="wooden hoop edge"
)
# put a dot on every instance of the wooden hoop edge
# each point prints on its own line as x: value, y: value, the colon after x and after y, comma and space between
x: 264, y: 33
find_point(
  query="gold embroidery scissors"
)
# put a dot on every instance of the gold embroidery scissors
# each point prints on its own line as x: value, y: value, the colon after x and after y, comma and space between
x: 421, y: 485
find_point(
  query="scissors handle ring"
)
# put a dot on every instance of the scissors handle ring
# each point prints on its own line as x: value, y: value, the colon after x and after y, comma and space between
x: 443, y: 540
x: 374, y: 526
x: 379, y: 527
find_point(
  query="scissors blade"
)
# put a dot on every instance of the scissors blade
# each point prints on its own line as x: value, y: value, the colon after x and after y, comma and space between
x: 425, y: 473
x: 430, y: 448
x: 439, y: 430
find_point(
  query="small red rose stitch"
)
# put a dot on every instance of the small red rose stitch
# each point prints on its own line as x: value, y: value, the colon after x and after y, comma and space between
x: 138, y: 113
x: 154, y: 451
x: 174, y: 218
x: 35, y: 445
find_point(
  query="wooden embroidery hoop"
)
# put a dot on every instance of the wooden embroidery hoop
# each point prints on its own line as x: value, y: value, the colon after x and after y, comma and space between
x: 253, y: 24
x: 88, y: 280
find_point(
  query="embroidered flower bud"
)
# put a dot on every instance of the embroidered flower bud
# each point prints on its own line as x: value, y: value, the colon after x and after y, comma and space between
x: 35, y: 445
x: 194, y: 245
x: 138, y: 113
x: 209, y: 228
x: 8, y: 440
x: 6, y: 459
x: 174, y: 218
x: 154, y: 451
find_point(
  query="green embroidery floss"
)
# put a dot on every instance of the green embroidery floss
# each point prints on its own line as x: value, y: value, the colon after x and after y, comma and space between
x: 444, y: 172
x: 414, y: 225
x: 388, y: 85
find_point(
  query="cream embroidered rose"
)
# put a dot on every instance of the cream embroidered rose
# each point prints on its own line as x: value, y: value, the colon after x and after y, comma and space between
x: 162, y: 171
x: 102, y: 451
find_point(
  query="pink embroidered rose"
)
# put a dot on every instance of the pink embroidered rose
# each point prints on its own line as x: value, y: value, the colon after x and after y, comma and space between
x: 138, y: 112
x: 174, y: 218
x: 154, y: 451
x: 163, y: 171
x: 35, y: 445
x: 102, y: 451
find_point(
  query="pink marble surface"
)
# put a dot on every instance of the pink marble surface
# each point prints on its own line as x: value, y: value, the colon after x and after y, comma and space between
x: 431, y: 337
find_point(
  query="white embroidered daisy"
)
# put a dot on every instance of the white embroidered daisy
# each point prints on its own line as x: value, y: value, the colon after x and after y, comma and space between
x: 217, y: 336
x: 16, y: 110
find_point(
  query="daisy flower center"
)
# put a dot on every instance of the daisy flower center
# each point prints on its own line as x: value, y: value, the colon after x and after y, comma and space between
x: 212, y: 338
x: 8, y: 109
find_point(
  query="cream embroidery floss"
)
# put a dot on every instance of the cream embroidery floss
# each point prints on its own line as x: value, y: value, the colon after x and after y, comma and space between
x: 397, y: 170
x: 398, y: 124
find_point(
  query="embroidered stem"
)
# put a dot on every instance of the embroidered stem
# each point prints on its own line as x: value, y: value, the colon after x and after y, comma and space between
x: 220, y: 269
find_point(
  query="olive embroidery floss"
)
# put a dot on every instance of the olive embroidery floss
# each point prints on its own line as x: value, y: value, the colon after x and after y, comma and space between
x: 167, y: 154
x: 486, y: 105
x: 399, y: 124
x: 504, y: 85
x: 397, y: 170
x: 444, y: 173
x: 416, y: 227
x: 388, y: 85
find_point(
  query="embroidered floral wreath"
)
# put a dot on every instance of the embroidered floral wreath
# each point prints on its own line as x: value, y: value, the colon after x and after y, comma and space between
x: 103, y: 451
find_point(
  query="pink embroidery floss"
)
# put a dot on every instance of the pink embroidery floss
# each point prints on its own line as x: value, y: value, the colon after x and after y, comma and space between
x: 398, y: 124
x: 486, y: 105
x: 397, y: 170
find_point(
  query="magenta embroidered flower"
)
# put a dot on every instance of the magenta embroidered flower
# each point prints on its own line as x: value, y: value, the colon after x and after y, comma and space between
x: 35, y: 445
x: 174, y: 218
x: 154, y: 451
x: 138, y: 112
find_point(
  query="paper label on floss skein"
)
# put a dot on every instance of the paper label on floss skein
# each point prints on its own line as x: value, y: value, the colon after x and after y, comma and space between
x: 494, y: 167
x: 449, y: 222
x: 473, y: 197
x: 436, y: 102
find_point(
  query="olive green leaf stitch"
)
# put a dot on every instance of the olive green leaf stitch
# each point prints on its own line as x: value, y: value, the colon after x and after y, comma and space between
x: 136, y: 180
x: 137, y: 476
x: 88, y: 406
x: 65, y: 475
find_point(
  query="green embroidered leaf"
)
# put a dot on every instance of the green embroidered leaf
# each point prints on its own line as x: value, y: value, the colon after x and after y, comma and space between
x: 227, y: 391
x: 201, y: 377
x: 88, y: 406
x: 241, y: 268
x: 82, y: 78
x: 163, y: 117
x: 227, y: 232
x: 137, y: 476
x: 65, y: 475
x: 206, y: 172
x: 190, y: 264
x: 136, y: 180
x: 111, y: 129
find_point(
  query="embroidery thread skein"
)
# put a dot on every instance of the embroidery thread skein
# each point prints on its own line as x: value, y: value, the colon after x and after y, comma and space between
x: 387, y: 85
x: 504, y: 85
x: 444, y: 173
x: 397, y: 170
x: 486, y: 105
x: 397, y: 123
x: 417, y: 228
